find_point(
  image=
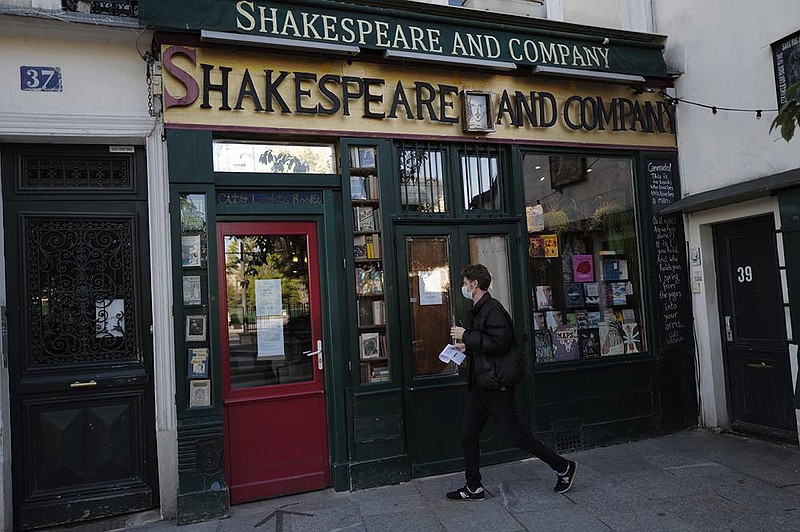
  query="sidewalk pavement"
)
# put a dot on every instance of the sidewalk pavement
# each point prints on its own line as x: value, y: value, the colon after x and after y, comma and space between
x: 690, y: 481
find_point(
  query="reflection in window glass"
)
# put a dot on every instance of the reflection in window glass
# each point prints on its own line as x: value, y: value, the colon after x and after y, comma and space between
x: 492, y: 252
x: 583, y: 257
x: 430, y: 307
x: 421, y: 178
x: 268, y: 310
x: 230, y: 156
x: 481, y: 178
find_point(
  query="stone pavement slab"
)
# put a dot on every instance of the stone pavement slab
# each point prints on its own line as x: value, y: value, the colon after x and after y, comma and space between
x: 690, y: 481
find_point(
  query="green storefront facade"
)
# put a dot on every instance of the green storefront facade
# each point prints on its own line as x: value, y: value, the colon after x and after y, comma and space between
x: 333, y: 166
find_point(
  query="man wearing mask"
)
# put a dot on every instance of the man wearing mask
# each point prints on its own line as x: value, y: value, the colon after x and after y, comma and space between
x: 495, y: 367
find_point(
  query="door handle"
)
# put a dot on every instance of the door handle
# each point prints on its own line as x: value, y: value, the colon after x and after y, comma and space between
x: 728, y: 331
x: 318, y: 352
x: 87, y: 384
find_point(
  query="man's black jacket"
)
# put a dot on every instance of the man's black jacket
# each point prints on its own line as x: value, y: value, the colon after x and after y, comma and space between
x: 489, y: 340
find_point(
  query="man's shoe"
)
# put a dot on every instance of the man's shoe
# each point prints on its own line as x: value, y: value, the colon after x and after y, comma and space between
x: 466, y: 494
x: 564, y: 482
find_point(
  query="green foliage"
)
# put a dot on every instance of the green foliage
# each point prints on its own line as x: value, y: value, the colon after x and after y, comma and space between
x: 788, y: 118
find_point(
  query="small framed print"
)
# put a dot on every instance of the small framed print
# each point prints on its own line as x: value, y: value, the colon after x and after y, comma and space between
x: 476, y: 115
x: 199, y: 393
x: 191, y: 290
x: 190, y: 250
x: 198, y: 362
x: 196, y: 328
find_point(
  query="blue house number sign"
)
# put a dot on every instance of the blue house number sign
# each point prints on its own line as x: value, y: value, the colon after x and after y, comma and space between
x: 40, y: 78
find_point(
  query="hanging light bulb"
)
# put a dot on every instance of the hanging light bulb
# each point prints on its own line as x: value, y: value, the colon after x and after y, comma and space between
x: 758, y: 114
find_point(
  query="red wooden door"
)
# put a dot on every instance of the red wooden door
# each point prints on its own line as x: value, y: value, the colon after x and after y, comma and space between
x: 271, y: 333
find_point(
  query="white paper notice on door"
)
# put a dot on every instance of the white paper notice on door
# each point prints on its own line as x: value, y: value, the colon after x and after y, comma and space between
x: 430, y: 287
x: 269, y: 319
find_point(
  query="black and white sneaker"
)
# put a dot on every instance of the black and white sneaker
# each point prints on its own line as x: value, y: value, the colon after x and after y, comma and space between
x: 564, y: 482
x: 466, y: 494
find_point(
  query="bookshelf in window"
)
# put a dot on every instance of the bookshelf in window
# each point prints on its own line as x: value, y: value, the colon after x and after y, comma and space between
x: 373, y: 354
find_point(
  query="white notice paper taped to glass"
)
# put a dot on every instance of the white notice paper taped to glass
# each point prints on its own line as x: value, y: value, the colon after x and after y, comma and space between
x: 269, y: 319
x: 430, y: 287
x: 451, y: 354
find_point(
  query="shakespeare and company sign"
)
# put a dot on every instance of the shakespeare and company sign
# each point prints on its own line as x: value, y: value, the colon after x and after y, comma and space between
x: 238, y: 90
x: 375, y: 28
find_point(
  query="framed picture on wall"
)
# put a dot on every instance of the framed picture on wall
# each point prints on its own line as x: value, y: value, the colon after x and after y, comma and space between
x: 192, y: 294
x: 476, y: 115
x: 190, y: 251
x: 196, y: 328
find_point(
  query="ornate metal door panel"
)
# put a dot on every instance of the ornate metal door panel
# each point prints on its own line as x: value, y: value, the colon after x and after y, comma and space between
x: 80, y: 352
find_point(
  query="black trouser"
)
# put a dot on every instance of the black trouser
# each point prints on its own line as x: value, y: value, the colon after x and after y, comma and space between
x: 482, y: 403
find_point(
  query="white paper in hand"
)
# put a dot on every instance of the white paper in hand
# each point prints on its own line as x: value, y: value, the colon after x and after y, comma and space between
x: 451, y: 354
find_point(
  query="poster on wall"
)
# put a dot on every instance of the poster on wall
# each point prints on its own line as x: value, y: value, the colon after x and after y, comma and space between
x: 786, y: 62
x: 269, y: 319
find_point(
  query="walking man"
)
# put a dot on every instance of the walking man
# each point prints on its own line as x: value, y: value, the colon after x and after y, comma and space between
x: 489, y: 344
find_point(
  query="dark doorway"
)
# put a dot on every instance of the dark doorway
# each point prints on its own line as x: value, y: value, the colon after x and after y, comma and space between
x: 753, y: 327
x: 82, y: 414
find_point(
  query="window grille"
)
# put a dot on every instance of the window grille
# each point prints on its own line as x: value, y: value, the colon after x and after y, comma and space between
x: 422, y: 169
x: 482, y: 178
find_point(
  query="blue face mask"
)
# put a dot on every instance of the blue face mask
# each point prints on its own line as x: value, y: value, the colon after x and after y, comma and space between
x: 466, y: 292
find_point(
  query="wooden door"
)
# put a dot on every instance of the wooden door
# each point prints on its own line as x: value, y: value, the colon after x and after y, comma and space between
x: 271, y: 334
x: 753, y: 328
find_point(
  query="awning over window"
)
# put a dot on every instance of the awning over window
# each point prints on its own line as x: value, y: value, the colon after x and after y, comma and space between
x: 756, y: 188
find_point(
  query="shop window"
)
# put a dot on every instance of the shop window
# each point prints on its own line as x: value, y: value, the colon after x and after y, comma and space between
x: 421, y: 177
x: 583, y: 257
x: 481, y: 178
x: 232, y: 156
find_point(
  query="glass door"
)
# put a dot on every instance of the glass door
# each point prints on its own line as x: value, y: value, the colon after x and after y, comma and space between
x: 273, y: 386
x: 430, y: 260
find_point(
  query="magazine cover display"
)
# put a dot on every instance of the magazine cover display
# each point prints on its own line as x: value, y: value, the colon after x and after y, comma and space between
x: 565, y: 342
x: 582, y: 294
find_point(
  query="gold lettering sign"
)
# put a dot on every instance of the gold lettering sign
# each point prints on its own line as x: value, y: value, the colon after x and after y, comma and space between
x: 248, y: 91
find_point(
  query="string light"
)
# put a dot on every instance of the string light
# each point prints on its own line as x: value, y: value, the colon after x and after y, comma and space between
x: 715, y: 108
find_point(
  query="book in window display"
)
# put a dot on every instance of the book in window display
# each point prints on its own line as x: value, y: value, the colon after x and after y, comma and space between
x: 373, y: 246
x: 550, y: 243
x: 611, y: 271
x: 358, y: 189
x: 589, y: 342
x: 565, y: 343
x: 619, y: 293
x: 612, y: 341
x: 582, y: 268
x: 366, y: 157
x: 554, y: 318
x: 591, y: 293
x: 543, y: 346
x: 364, y: 218
x: 628, y: 315
x: 366, y: 315
x: 370, y: 345
x: 574, y: 295
x: 378, y: 312
x: 539, y: 323
x: 359, y: 247
x: 581, y: 318
x: 536, y: 247
x: 594, y: 317
x: 544, y: 297
x: 631, y: 337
